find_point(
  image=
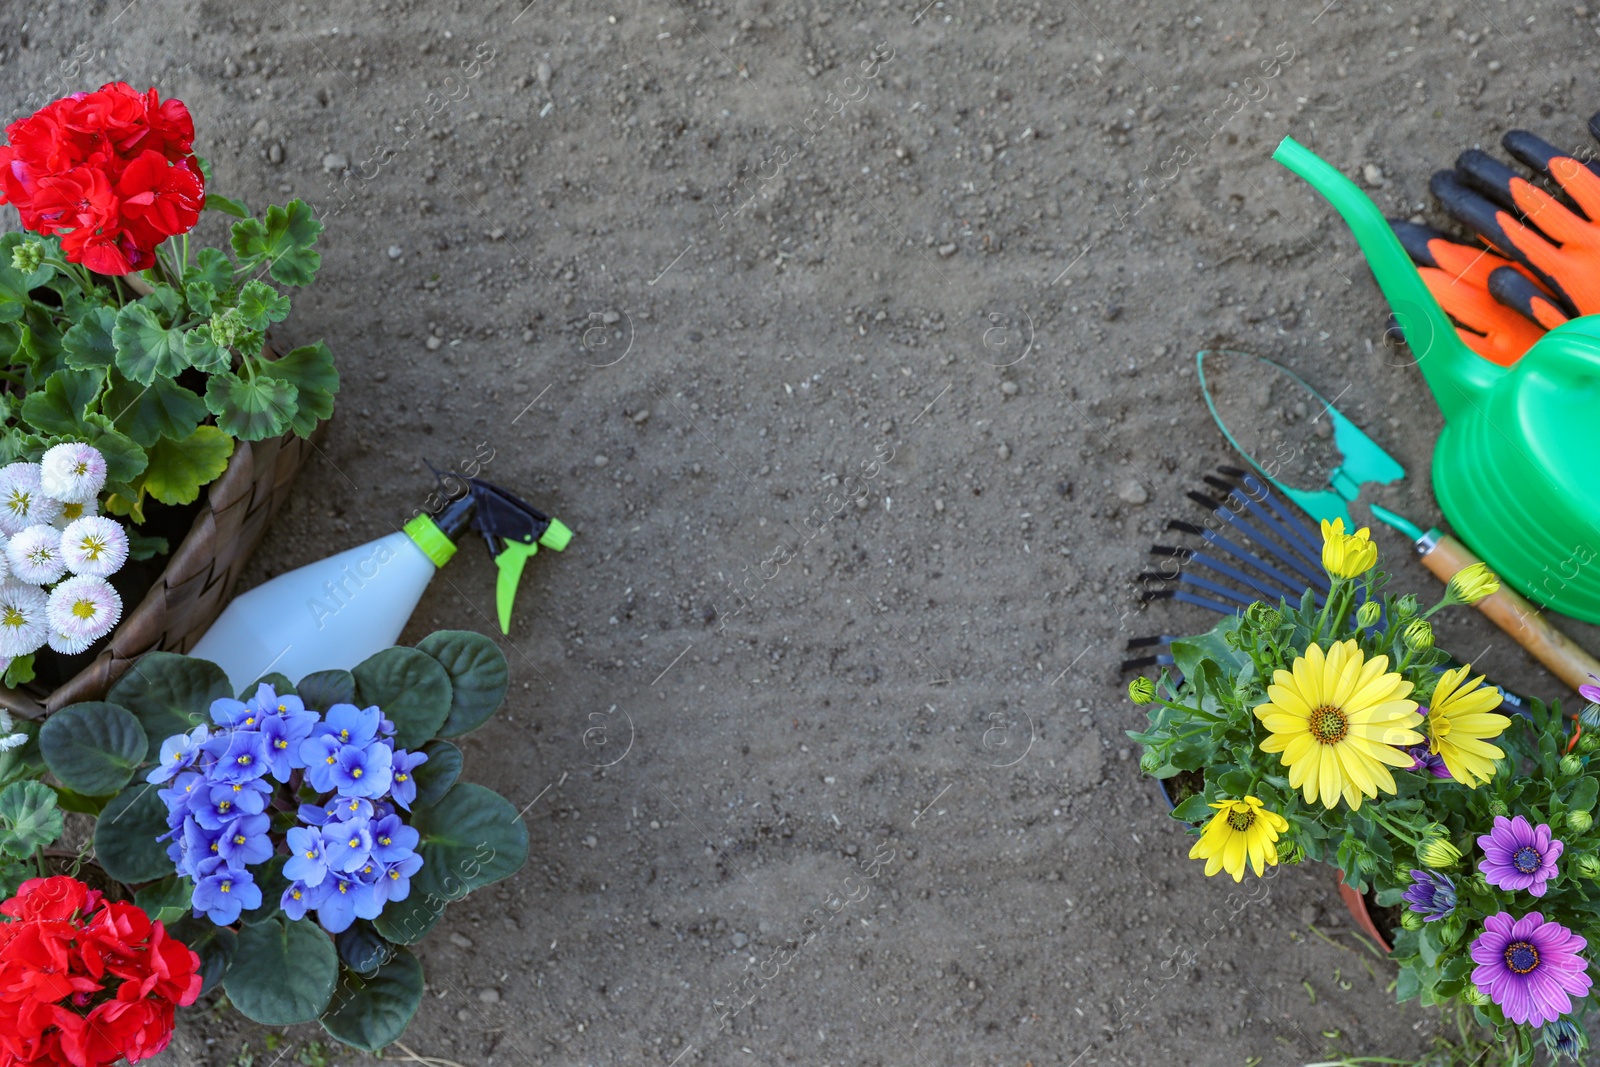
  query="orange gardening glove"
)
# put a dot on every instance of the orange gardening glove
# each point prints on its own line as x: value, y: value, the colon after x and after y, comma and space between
x: 1459, y: 278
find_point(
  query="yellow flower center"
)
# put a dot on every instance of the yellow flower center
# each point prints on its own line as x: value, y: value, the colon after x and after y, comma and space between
x: 92, y: 545
x: 1329, y: 725
x: 1241, y: 818
x: 13, y: 618
x: 71, y: 511
x: 18, y: 503
x: 84, y: 609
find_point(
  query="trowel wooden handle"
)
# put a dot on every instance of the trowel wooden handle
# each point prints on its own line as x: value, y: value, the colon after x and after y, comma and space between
x: 1518, y: 618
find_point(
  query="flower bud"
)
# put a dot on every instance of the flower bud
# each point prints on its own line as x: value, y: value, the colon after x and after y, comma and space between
x: 1367, y: 614
x: 1579, y: 821
x: 1570, y: 765
x: 1150, y: 762
x: 1291, y: 854
x: 1419, y: 635
x: 1498, y: 807
x: 1438, y: 852
x: 1589, y: 866
x: 1474, y: 996
x: 1142, y: 691
x: 1588, y: 743
x: 27, y: 256
x: 1451, y: 928
x: 1411, y: 920
x: 1406, y: 606
x: 1473, y: 584
x: 1589, y: 717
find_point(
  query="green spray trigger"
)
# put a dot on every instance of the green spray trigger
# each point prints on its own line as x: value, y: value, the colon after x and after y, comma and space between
x: 510, y: 561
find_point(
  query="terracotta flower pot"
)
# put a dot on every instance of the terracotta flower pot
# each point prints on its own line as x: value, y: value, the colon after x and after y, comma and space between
x: 1364, y: 909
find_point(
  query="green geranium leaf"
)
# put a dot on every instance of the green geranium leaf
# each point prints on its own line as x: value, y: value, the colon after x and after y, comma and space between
x: 202, y: 351
x: 310, y: 370
x: 166, y: 900
x: 125, y: 836
x: 405, y: 922
x: 147, y: 350
x: 470, y: 839
x: 252, y: 410
x: 163, y: 299
x: 148, y: 413
x: 88, y: 343
x: 25, y: 760
x: 226, y: 206
x: 178, y: 469
x: 260, y: 304
x: 324, y: 689
x: 14, y: 284
x: 170, y: 694
x: 478, y: 677
x: 213, y: 267
x: 371, y: 1009
x: 199, y: 295
x: 59, y: 407
x: 20, y: 672
x: 215, y: 945
x: 439, y: 773
x: 286, y: 238
x: 93, y: 747
x: 125, y: 460
x: 412, y: 689
x: 283, y: 972
x: 29, y: 818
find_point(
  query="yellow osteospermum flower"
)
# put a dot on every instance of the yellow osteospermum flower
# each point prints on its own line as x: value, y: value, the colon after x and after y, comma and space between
x: 1346, y: 555
x: 1472, y: 584
x: 1240, y: 830
x: 1460, y: 723
x: 1341, y: 721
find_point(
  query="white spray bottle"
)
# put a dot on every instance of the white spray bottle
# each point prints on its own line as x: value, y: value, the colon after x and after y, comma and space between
x: 332, y: 614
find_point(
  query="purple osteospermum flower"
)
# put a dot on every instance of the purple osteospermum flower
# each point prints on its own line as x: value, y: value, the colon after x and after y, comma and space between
x: 1425, y: 762
x: 1431, y: 895
x: 1518, y: 855
x: 1531, y: 968
x: 404, y: 786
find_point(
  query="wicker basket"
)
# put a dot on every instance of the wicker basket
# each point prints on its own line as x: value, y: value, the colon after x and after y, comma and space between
x: 199, y: 576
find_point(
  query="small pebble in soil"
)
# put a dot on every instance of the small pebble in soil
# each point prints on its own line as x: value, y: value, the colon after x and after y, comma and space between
x: 601, y: 460
x: 1373, y: 175
x: 1009, y: 388
x: 947, y: 250
x: 395, y: 252
x: 641, y: 416
x: 275, y: 153
x: 740, y: 940
x: 489, y: 996
x: 1004, y: 451
x: 461, y: 940
x: 334, y: 162
x: 433, y: 344
x: 1133, y: 493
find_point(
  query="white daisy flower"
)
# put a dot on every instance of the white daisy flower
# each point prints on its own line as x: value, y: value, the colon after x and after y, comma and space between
x: 73, y: 472
x: 35, y: 555
x: 7, y: 738
x: 95, y: 545
x: 23, y: 629
x: 71, y: 513
x: 69, y: 646
x: 84, y: 607
x: 23, y: 502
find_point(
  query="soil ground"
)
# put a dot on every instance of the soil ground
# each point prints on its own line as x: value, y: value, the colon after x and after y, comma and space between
x: 838, y: 333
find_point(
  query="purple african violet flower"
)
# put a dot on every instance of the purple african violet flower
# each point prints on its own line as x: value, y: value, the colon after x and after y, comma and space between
x: 1531, y: 968
x: 1431, y: 895
x: 1517, y: 855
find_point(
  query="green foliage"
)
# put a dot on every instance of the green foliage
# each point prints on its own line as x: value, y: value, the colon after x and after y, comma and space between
x: 125, y: 836
x: 93, y: 748
x: 96, y: 361
x: 478, y: 677
x: 371, y: 1009
x: 412, y: 689
x: 29, y: 818
x: 283, y: 972
x: 169, y: 694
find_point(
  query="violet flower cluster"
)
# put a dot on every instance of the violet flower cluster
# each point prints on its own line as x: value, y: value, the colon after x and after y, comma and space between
x: 338, y: 775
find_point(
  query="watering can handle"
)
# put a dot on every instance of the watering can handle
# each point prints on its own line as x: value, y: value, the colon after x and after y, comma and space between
x: 1458, y: 377
x: 1444, y: 556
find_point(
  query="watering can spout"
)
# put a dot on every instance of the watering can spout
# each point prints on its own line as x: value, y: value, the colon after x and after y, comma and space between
x: 1458, y: 377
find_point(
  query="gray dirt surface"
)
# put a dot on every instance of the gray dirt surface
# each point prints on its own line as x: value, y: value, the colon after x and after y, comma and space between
x: 866, y: 389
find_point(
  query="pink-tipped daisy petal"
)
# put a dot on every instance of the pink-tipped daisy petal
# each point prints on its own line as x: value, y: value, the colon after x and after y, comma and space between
x: 84, y: 607
x: 96, y: 546
x: 23, y: 629
x: 23, y: 502
x: 73, y: 472
x: 35, y: 555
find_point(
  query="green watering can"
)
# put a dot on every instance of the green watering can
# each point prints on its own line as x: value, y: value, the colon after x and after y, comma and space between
x: 1515, y: 469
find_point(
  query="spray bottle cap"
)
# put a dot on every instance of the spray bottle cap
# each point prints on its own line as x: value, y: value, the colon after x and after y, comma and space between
x: 512, y: 528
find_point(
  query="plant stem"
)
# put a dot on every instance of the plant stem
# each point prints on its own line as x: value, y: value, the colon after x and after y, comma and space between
x: 1333, y: 593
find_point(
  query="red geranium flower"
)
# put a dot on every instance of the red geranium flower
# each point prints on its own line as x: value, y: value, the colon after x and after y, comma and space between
x: 85, y: 982
x: 111, y: 172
